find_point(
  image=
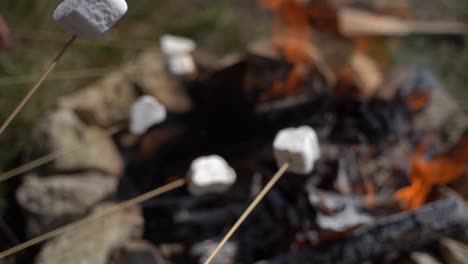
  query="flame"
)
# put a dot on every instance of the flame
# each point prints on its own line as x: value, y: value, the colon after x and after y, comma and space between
x: 292, y: 36
x: 425, y: 174
x: 419, y: 100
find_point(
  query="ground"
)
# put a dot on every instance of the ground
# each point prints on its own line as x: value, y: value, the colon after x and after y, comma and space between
x: 219, y: 25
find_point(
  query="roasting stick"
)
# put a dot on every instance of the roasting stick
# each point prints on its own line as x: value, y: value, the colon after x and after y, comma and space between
x: 90, y: 219
x: 44, y: 160
x: 58, y: 76
x: 82, y: 19
x: 249, y: 210
x: 33, y: 164
x: 36, y: 86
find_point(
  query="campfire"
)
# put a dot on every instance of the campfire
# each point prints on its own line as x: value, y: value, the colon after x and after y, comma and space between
x: 364, y: 178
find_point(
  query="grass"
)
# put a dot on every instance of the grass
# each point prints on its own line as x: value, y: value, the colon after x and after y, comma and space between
x: 213, y: 24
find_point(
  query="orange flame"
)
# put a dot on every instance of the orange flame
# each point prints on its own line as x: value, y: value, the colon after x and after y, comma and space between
x: 425, y: 175
x: 292, y: 37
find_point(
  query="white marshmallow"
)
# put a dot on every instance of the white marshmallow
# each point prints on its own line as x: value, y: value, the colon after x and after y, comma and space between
x: 89, y: 19
x: 299, y: 147
x: 183, y: 64
x: 177, y: 50
x: 174, y: 45
x: 211, y: 174
x: 145, y: 113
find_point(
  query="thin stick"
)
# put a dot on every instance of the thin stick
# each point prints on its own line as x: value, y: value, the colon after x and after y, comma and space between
x: 33, y: 164
x: 87, y: 220
x: 36, y: 86
x: 44, y: 160
x: 249, y: 210
x: 58, y: 76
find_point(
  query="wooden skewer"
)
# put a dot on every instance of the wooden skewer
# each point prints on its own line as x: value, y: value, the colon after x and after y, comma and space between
x: 32, y: 165
x: 44, y: 160
x: 58, y: 76
x: 249, y: 210
x: 87, y: 220
x: 36, y: 86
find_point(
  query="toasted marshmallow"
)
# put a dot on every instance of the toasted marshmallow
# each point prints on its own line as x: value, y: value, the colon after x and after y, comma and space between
x: 88, y: 19
x: 145, y: 113
x: 211, y: 174
x: 299, y: 147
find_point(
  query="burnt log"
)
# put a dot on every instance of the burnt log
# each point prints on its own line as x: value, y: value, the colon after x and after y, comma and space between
x: 402, y: 232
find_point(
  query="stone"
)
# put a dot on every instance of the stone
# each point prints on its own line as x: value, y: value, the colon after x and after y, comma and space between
x: 211, y: 174
x: 453, y: 252
x: 422, y: 258
x: 444, y: 112
x: 106, y: 103
x: 52, y: 201
x: 88, y: 19
x: 145, y: 113
x: 85, y: 147
x: 299, y: 147
x: 93, y: 242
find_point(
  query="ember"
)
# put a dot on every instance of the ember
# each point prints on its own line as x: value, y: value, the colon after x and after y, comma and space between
x: 292, y: 36
x: 426, y: 174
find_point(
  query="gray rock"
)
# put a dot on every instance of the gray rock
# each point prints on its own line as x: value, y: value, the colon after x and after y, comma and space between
x: 86, y: 147
x: 422, y: 258
x: 107, y: 102
x: 453, y: 252
x: 92, y: 243
x: 52, y: 201
x: 443, y: 111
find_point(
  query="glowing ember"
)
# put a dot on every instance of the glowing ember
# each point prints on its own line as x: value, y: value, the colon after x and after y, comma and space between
x: 292, y: 37
x: 425, y: 174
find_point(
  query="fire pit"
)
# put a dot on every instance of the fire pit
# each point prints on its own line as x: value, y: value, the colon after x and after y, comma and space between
x: 369, y: 152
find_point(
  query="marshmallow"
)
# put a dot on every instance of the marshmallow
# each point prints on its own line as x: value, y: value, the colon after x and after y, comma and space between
x: 211, y: 174
x: 89, y: 19
x: 182, y: 65
x: 177, y: 50
x: 299, y: 147
x: 174, y: 45
x: 145, y: 113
